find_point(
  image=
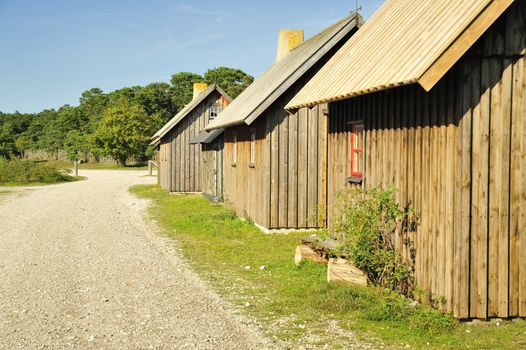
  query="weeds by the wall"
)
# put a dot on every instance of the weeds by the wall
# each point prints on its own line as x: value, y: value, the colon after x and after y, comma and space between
x: 368, y: 223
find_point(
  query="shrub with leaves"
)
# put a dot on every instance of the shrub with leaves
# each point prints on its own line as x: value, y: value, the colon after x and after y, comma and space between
x: 24, y: 171
x: 367, y: 224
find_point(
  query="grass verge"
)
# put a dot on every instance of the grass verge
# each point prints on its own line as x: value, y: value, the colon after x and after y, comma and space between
x: 296, y: 305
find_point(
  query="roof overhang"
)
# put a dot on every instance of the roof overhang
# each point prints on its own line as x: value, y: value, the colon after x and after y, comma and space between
x: 436, y: 61
x: 206, y: 137
x: 189, y: 108
x: 278, y: 79
x: 463, y: 43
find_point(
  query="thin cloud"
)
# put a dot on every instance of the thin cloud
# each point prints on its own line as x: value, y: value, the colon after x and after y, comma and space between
x: 193, y: 10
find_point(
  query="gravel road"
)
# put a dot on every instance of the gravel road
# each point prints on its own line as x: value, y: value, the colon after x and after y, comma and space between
x: 80, y: 269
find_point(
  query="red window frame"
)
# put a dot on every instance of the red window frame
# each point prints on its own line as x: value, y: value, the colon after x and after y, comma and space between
x: 356, y: 132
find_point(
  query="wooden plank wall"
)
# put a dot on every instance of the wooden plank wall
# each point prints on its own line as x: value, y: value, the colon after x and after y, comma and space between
x: 458, y: 155
x: 286, y: 188
x: 213, y: 168
x: 182, y: 162
x: 247, y: 187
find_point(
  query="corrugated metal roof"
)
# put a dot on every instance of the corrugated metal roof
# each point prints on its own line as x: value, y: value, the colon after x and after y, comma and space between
x: 206, y: 136
x: 282, y: 75
x: 397, y: 46
x: 187, y: 110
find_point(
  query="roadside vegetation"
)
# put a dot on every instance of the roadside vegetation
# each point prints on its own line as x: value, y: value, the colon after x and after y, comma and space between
x: 21, y: 172
x: 115, y: 124
x: 296, y: 305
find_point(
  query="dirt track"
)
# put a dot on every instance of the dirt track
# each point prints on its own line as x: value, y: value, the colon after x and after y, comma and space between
x: 80, y: 269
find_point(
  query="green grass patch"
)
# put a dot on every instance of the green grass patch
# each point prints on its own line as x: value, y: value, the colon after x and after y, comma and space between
x: 296, y: 305
x: 97, y: 166
x: 23, y: 172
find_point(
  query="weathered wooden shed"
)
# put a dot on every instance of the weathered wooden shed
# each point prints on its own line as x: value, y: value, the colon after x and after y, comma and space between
x: 435, y: 104
x: 275, y: 163
x: 180, y: 162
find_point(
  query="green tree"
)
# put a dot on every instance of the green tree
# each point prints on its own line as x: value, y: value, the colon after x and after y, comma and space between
x: 93, y: 103
x: 125, y: 130
x: 233, y: 81
x: 66, y: 119
x: 11, y: 127
x: 156, y: 98
x: 35, y: 133
x: 77, y: 145
x: 183, y: 88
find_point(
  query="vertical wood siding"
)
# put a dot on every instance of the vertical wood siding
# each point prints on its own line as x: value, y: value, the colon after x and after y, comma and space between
x: 286, y: 187
x: 180, y: 162
x: 212, y: 172
x: 458, y: 156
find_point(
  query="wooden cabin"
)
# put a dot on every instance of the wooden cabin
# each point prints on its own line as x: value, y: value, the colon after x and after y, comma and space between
x: 435, y: 104
x: 180, y: 162
x: 275, y: 163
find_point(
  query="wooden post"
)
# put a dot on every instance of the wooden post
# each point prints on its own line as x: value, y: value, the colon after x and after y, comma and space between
x: 76, y: 167
x: 151, y: 164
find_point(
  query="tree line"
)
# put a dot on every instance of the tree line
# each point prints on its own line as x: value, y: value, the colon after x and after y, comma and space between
x: 117, y: 124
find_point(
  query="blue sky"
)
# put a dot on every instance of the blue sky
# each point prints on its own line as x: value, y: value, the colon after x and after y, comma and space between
x: 53, y: 50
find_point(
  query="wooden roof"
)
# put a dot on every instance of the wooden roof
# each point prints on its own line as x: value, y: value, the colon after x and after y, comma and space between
x: 187, y: 110
x: 404, y: 42
x: 272, y: 84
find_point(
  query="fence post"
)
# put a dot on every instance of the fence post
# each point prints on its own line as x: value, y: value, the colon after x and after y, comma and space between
x: 151, y: 164
x: 76, y: 167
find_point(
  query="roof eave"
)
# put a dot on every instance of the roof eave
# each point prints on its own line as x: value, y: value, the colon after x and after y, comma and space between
x: 292, y: 108
x: 463, y: 43
x: 223, y: 125
x: 180, y: 116
x: 439, y: 68
x: 354, y: 22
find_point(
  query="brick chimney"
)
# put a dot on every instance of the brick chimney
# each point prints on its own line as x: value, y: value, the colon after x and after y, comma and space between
x: 287, y: 40
x: 198, y: 88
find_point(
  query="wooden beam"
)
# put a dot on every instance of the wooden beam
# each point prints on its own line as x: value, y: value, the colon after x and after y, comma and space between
x: 463, y: 43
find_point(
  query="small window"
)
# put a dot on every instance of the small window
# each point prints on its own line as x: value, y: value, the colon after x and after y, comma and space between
x: 215, y: 109
x: 357, y: 153
x: 252, y: 147
x: 234, y: 148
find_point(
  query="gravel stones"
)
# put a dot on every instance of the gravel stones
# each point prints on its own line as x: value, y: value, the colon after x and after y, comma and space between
x: 81, y: 269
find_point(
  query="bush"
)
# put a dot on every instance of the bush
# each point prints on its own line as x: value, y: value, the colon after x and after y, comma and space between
x: 21, y: 172
x: 369, y: 220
